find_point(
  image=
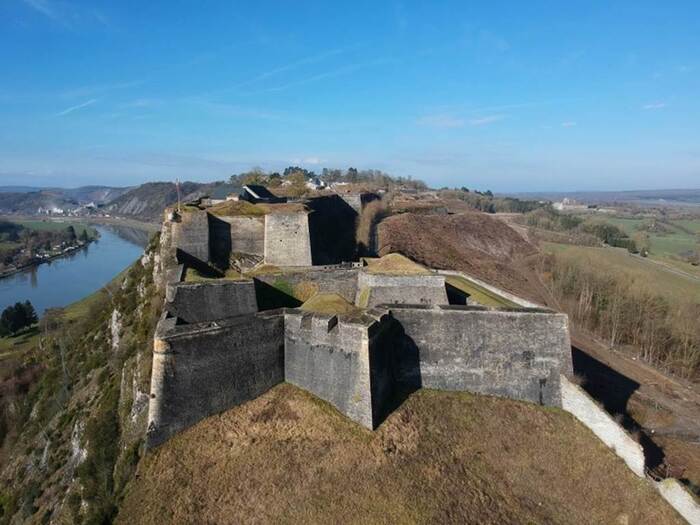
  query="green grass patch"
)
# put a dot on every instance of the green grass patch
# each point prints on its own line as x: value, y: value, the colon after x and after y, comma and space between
x: 56, y: 226
x: 646, y: 274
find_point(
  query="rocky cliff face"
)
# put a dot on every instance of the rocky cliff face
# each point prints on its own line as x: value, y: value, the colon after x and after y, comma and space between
x: 74, y: 432
x: 147, y: 202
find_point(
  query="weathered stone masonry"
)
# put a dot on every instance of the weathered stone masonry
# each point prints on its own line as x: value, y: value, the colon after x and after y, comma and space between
x: 344, y: 361
x: 512, y: 353
x: 206, y: 368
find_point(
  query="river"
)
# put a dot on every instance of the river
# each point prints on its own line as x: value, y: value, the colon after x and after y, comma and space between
x: 65, y: 280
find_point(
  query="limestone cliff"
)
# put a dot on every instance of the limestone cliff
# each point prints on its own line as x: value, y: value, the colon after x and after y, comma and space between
x: 75, y: 402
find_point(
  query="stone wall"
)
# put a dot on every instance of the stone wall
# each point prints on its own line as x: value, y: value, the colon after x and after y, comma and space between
x: 342, y: 361
x: 357, y: 201
x: 376, y: 289
x: 331, y: 230
x: 202, y: 369
x: 190, y: 234
x: 680, y: 498
x: 576, y: 401
x: 236, y: 235
x: 287, y: 241
x: 337, y: 280
x: 518, y: 354
x: 198, y: 302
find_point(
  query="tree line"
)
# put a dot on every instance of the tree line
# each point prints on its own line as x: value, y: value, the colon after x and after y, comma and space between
x: 299, y: 176
x: 547, y: 218
x: 16, y: 317
x: 487, y: 202
x: 22, y: 244
x: 623, y: 312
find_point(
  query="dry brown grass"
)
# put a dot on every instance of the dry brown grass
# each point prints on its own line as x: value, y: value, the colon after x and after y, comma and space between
x: 395, y: 264
x: 236, y: 208
x: 305, y: 290
x: 329, y: 303
x: 440, y: 458
x: 245, y: 208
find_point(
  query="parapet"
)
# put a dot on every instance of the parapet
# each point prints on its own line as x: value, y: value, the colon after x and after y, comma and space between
x: 217, y: 299
x: 204, y: 368
x: 518, y: 353
x: 376, y: 289
x: 341, y: 359
x: 287, y: 239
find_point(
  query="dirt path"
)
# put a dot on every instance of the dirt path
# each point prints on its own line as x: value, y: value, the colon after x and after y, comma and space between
x: 667, y: 267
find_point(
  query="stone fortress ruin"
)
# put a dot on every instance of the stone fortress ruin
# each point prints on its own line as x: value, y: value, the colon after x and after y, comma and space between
x: 263, y: 292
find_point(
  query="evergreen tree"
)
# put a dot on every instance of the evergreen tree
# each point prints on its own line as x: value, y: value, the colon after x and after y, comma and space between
x: 16, y: 317
x: 70, y: 233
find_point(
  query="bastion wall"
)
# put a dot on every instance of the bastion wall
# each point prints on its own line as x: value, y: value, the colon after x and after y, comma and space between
x: 236, y: 235
x: 342, y: 281
x: 344, y: 361
x: 287, y: 241
x: 198, y: 302
x: 511, y: 353
x: 376, y: 289
x: 190, y: 234
x: 206, y: 368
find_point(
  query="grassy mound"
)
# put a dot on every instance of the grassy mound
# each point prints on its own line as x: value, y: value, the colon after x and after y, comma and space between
x: 329, y: 303
x: 247, y: 209
x: 440, y: 458
x: 395, y: 264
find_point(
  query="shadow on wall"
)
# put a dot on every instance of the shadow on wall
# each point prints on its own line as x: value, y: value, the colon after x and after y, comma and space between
x: 455, y: 296
x: 332, y: 230
x: 613, y: 390
x: 279, y: 294
x: 200, y: 266
x: 219, y: 241
x: 404, y: 363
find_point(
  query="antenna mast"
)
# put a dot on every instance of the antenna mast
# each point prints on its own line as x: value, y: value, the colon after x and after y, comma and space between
x: 177, y: 186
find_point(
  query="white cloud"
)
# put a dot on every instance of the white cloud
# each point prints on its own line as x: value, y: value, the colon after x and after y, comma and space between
x: 66, y: 14
x: 489, y: 119
x: 441, y: 120
x: 309, y: 161
x: 569, y: 124
x: 654, y: 105
x: 75, y: 108
x: 43, y: 7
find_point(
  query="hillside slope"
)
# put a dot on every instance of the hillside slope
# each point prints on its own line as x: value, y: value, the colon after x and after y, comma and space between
x: 473, y: 242
x: 28, y: 200
x: 440, y: 458
x: 147, y: 201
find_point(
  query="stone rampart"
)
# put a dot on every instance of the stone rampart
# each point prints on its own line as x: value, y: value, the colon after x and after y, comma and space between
x: 202, y: 369
x: 376, y: 289
x: 576, y: 401
x: 190, y: 234
x: 236, y: 235
x: 287, y: 240
x: 198, y: 302
x: 343, y: 361
x: 512, y: 353
x: 342, y: 281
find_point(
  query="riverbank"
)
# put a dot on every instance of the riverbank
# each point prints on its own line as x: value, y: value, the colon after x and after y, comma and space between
x: 150, y: 227
x: 81, y: 272
x: 33, y: 263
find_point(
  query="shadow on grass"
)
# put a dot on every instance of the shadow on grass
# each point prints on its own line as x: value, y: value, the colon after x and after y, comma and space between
x: 613, y: 390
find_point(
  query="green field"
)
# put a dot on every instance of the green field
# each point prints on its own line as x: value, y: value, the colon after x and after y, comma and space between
x: 55, y: 226
x: 665, y: 247
x: 646, y: 274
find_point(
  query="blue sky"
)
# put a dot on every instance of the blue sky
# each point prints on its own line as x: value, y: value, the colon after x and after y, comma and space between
x: 510, y: 96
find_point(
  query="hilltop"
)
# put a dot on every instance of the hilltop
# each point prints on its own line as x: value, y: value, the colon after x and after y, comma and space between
x: 441, y: 457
